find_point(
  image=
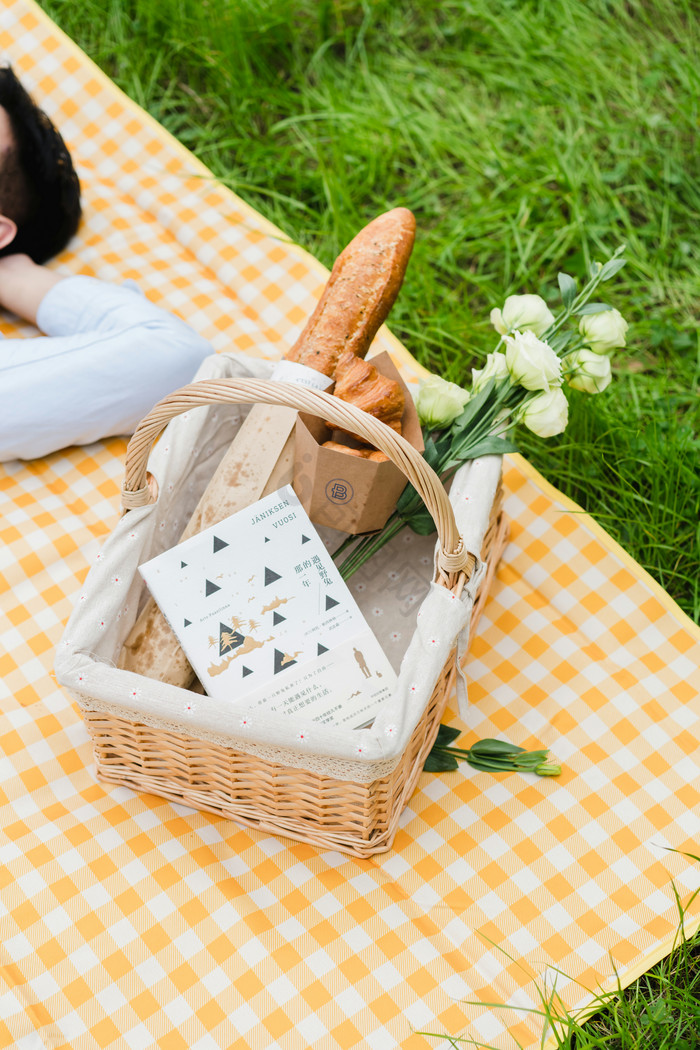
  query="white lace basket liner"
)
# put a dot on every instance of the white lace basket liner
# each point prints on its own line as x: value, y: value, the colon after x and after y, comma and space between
x: 159, y: 719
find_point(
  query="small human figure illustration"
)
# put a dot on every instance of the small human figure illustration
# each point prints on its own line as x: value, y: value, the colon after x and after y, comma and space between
x: 362, y: 663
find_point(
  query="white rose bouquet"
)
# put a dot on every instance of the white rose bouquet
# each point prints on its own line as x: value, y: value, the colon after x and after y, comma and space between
x: 523, y: 382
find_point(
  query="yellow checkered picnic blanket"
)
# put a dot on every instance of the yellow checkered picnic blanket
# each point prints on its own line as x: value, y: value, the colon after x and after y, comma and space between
x: 130, y: 922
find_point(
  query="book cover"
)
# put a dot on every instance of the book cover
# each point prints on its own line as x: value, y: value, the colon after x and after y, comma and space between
x: 264, y: 616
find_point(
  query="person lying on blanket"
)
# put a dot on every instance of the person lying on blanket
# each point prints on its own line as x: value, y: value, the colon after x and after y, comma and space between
x: 108, y: 353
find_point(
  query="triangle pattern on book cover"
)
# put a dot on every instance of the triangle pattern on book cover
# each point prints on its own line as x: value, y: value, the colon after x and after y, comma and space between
x: 248, y: 603
x: 229, y: 639
x: 282, y: 661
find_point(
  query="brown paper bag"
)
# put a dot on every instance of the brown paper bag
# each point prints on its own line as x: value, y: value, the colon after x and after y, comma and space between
x: 351, y: 494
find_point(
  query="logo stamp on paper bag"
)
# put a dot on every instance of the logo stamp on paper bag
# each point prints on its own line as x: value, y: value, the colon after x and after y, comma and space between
x: 338, y: 490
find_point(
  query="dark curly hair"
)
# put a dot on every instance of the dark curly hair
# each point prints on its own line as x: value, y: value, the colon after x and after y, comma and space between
x: 39, y: 189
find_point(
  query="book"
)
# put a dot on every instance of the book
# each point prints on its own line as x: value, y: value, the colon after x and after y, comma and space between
x: 266, y: 620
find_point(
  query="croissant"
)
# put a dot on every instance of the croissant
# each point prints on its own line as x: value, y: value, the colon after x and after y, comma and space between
x: 361, y: 453
x: 359, y: 383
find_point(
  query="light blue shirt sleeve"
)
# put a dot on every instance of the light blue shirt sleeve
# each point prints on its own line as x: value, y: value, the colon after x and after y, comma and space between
x: 107, y: 357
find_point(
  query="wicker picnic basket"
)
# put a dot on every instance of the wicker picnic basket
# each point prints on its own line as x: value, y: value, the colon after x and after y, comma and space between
x: 159, y: 754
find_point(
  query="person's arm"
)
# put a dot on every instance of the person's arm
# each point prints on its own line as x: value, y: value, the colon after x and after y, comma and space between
x: 23, y: 285
x: 108, y: 356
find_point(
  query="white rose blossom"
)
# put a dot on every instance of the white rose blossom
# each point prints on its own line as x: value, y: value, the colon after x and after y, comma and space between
x: 527, y: 313
x: 521, y: 382
x: 495, y: 368
x: 547, y: 414
x: 439, y: 402
x: 532, y: 363
x: 590, y: 372
x: 604, y: 331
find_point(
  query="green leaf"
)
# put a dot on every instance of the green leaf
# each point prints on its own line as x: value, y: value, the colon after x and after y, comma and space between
x: 445, y: 736
x: 497, y: 761
x: 421, y: 521
x: 409, y: 503
x: 490, y: 746
x: 471, y: 411
x: 430, y: 453
x: 491, y: 765
x: 487, y: 446
x: 521, y: 762
x: 560, y: 341
x: 439, y: 762
x: 593, y: 308
x: 567, y: 287
x: 611, y: 268
x: 532, y: 757
x: 488, y: 756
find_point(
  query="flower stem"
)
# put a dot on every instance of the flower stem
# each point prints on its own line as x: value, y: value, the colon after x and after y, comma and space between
x: 370, y: 545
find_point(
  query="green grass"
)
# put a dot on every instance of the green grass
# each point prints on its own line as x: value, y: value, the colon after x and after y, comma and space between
x: 659, y: 1011
x: 528, y: 136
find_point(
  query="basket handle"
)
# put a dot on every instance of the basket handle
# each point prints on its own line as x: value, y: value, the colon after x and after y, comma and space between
x: 136, y: 492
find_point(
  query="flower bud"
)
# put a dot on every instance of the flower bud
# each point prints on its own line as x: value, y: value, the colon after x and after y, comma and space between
x: 604, y: 331
x: 590, y: 372
x: 548, y: 770
x: 495, y: 368
x: 532, y: 363
x: 439, y: 402
x: 547, y: 414
x: 527, y: 313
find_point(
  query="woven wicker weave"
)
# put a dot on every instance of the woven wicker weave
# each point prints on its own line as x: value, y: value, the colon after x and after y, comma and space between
x: 356, y: 818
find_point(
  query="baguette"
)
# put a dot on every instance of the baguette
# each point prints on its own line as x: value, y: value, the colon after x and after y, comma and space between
x: 360, y: 292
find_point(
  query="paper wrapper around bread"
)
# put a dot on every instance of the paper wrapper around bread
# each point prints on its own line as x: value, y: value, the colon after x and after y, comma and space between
x: 347, y: 493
